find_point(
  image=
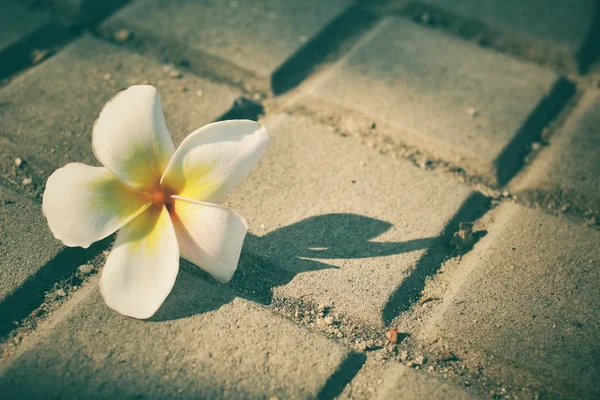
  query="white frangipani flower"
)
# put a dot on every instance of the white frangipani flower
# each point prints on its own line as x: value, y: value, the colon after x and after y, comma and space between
x: 161, y: 199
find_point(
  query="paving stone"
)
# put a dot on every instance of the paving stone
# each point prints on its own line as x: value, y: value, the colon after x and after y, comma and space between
x: 563, y: 25
x: 203, y: 343
x: 565, y: 175
x: 21, y: 31
x: 468, y: 105
x: 26, y: 244
x: 257, y: 37
x: 392, y: 380
x: 48, y: 112
x: 524, y: 305
x: 401, y: 382
x: 336, y: 223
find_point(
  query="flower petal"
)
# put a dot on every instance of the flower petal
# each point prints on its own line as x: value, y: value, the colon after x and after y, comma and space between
x: 209, y: 236
x: 142, y: 266
x: 131, y: 139
x: 84, y: 204
x: 211, y: 161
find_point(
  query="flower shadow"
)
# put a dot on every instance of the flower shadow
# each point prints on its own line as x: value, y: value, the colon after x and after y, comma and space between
x: 276, y: 258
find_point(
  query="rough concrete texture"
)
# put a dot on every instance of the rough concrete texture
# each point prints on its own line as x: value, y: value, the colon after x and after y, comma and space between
x: 17, y: 22
x: 349, y: 245
x: 392, y: 380
x: 26, y: 244
x: 255, y: 36
x: 403, y: 383
x: 565, y: 174
x: 564, y: 25
x: 203, y: 343
x: 524, y: 304
x: 47, y: 137
x: 338, y: 224
x: 462, y: 103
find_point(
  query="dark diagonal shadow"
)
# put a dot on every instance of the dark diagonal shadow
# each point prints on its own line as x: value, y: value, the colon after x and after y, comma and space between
x: 276, y: 258
x: 589, y: 52
x: 411, y: 287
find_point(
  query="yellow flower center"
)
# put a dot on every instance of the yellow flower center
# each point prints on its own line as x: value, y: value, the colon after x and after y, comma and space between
x: 160, y: 197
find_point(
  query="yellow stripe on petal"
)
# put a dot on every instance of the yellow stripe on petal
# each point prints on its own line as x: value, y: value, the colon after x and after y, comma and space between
x: 142, y: 266
x: 84, y: 204
x: 211, y: 161
x: 195, y: 180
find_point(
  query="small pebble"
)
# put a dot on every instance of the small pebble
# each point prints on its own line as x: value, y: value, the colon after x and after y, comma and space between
x: 361, y: 346
x: 535, y: 145
x: 328, y: 320
x: 18, y: 162
x: 27, y: 181
x: 420, y: 360
x: 472, y: 112
x: 392, y: 335
x: 425, y: 18
x: 61, y: 293
x: 446, y: 355
x: 38, y: 56
x: 175, y: 74
x: 38, y: 312
x: 86, y: 268
x: 199, y: 93
x: 122, y: 35
x: 404, y: 355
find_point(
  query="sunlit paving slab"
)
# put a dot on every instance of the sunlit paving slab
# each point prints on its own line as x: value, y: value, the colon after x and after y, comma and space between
x: 567, y: 26
x: 524, y: 305
x: 335, y: 223
x: 26, y: 244
x: 401, y: 382
x: 258, y: 37
x: 468, y: 105
x: 392, y: 380
x: 47, y: 120
x: 202, y: 343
